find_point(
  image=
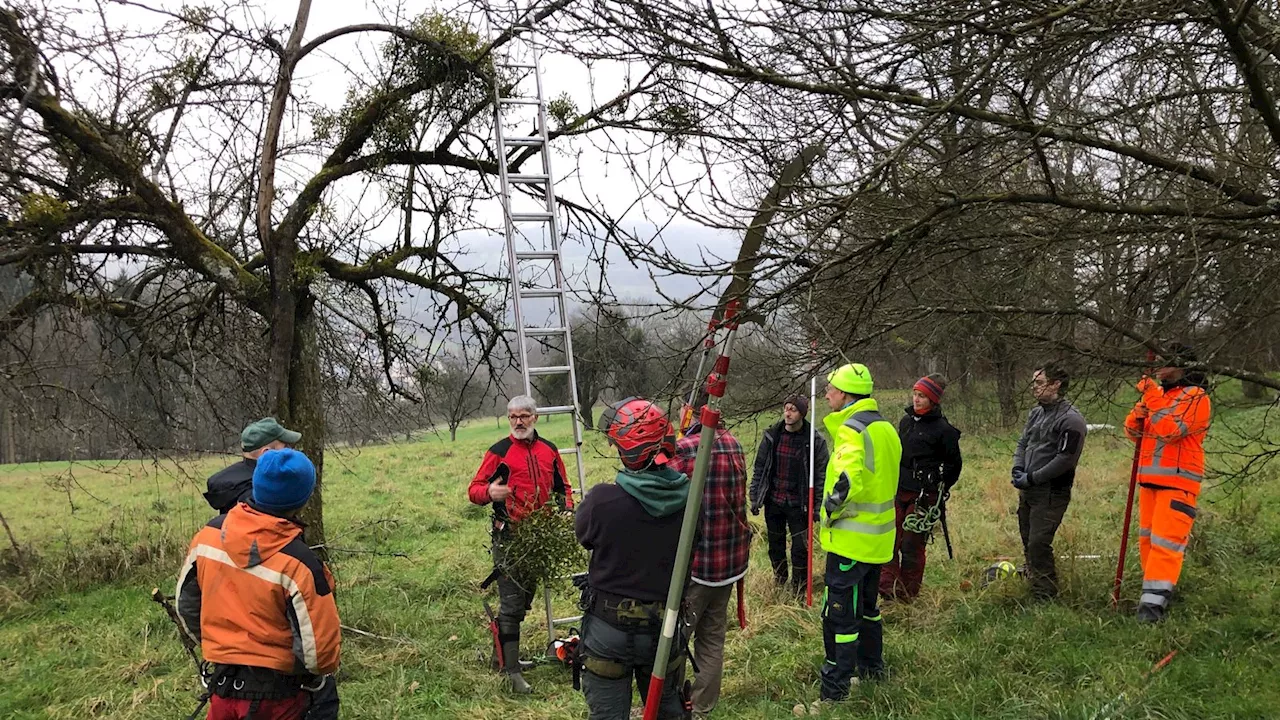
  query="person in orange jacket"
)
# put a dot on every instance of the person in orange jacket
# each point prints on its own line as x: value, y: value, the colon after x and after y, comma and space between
x: 1169, y: 421
x: 258, y: 600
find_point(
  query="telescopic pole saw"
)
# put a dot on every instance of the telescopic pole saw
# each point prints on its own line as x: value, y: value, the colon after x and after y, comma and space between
x: 726, y: 318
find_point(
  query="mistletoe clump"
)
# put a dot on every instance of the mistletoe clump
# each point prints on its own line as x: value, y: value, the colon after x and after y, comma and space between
x: 541, y: 547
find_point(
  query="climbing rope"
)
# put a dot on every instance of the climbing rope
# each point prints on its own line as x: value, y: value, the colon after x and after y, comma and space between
x: 923, y: 520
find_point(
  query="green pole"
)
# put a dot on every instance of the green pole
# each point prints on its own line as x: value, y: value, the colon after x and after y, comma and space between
x: 710, y: 419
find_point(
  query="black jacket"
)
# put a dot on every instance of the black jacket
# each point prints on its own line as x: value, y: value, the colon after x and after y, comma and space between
x: 766, y: 459
x: 231, y: 485
x: 632, y: 552
x: 930, y: 450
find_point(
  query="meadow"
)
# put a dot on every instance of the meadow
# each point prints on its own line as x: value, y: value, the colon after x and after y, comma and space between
x: 80, y: 638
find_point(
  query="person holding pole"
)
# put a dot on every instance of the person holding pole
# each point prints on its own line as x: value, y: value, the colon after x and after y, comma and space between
x: 720, y: 555
x: 931, y: 464
x: 1169, y: 423
x: 857, y: 528
x: 781, y: 483
x: 632, y: 528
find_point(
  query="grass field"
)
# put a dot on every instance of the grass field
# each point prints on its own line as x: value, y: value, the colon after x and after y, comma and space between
x: 79, y: 637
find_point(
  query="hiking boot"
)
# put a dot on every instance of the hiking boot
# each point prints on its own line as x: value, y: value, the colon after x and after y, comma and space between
x: 1150, y: 614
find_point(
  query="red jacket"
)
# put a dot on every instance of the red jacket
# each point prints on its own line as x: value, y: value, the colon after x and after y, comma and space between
x: 252, y: 593
x: 534, y: 471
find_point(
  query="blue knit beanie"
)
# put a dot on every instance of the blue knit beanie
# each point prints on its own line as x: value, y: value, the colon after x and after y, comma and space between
x: 283, y: 480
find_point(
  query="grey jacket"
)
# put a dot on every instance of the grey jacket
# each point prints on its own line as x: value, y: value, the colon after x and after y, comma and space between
x: 1051, y: 443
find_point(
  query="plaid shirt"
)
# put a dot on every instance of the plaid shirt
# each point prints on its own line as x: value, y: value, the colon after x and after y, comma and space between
x: 789, y: 468
x: 724, y: 537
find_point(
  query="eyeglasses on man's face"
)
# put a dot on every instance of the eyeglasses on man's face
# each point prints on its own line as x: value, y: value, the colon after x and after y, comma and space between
x: 521, y: 417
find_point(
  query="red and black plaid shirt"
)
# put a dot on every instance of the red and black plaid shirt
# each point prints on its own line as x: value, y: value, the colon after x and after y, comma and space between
x: 724, y: 537
x: 791, y: 454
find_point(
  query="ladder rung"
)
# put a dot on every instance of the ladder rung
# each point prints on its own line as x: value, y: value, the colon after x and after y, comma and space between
x: 518, y: 101
x: 530, y: 216
x: 542, y: 293
x: 558, y: 410
x: 533, y: 178
x: 566, y: 620
x: 569, y: 451
x: 537, y: 255
x: 548, y: 370
x: 524, y: 141
x: 544, y: 331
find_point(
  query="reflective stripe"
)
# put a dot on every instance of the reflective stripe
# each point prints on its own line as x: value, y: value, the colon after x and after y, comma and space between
x: 1168, y: 544
x: 847, y: 638
x: 877, y: 618
x: 871, y: 507
x: 1153, y: 599
x: 1157, y: 585
x: 868, y: 452
x: 306, y: 633
x: 1144, y: 532
x: 1172, y: 472
x: 865, y: 528
x: 859, y: 422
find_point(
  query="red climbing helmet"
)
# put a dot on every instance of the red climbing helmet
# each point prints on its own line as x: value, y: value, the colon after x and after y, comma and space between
x: 641, y: 432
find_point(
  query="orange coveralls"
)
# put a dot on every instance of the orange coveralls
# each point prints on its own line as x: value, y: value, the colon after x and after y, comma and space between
x: 1170, y: 426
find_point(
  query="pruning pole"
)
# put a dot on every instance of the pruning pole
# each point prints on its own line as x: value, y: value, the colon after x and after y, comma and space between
x: 1128, y: 517
x: 813, y: 433
x: 686, y: 412
x: 710, y: 419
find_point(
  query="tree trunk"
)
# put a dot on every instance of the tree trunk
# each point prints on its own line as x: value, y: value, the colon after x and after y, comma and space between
x: 453, y: 433
x: 1006, y: 381
x: 10, y: 442
x: 305, y: 412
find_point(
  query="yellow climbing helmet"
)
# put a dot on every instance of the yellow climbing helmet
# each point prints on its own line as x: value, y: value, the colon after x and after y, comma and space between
x: 853, y: 378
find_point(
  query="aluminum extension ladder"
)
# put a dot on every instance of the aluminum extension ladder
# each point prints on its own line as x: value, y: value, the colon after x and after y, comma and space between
x: 520, y: 65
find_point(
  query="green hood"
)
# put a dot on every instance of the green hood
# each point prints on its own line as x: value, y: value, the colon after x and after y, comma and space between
x: 662, y: 492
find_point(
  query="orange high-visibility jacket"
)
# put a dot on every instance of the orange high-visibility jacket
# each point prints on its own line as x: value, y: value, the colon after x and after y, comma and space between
x: 1172, y: 435
x: 251, y: 592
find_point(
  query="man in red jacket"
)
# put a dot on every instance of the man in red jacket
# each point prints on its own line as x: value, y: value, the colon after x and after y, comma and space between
x: 519, y: 474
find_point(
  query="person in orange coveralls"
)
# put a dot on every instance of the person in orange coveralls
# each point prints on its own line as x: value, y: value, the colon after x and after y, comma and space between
x: 1169, y: 421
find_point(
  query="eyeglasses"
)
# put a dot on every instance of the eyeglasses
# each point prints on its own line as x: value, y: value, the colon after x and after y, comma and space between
x: 522, y: 417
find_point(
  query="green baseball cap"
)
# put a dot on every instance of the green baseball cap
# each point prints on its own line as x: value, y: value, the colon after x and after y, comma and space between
x: 264, y: 431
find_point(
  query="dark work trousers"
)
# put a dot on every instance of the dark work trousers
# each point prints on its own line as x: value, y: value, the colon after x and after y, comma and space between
x: 324, y: 702
x: 514, y: 602
x: 1040, y: 511
x: 613, y: 657
x: 851, y: 629
x: 902, y: 576
x: 781, y: 521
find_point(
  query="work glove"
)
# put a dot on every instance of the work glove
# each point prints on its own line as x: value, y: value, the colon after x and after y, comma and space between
x: 1021, y: 479
x: 755, y: 509
x: 1017, y: 470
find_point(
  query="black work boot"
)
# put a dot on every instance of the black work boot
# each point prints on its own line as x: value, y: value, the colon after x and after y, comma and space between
x: 1150, y: 614
x: 513, y: 668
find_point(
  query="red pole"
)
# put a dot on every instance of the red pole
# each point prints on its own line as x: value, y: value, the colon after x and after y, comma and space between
x: 1128, y: 517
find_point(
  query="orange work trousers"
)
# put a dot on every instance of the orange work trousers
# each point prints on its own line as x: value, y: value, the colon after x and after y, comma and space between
x: 1165, y: 516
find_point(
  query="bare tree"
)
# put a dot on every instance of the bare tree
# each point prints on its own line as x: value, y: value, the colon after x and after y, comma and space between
x: 233, y: 202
